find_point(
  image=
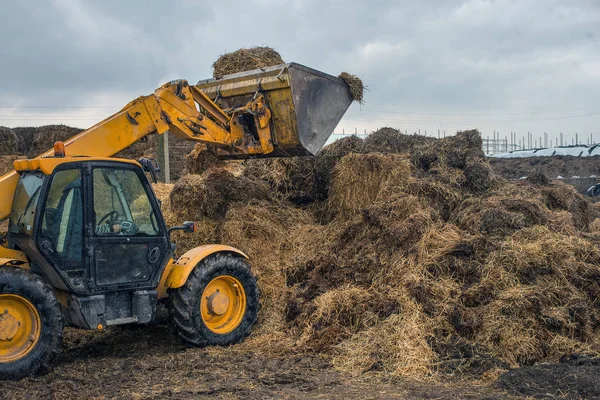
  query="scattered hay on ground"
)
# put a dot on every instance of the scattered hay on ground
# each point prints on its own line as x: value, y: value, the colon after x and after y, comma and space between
x: 396, y: 346
x: 245, y: 60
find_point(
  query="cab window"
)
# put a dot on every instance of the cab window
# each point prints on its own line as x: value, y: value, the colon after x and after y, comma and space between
x: 62, y: 223
x: 25, y: 203
x: 121, y: 204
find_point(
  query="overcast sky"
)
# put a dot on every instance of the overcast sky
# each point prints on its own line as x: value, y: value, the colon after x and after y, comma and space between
x: 523, y: 65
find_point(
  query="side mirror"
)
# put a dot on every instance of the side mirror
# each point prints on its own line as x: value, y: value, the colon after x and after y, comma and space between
x: 189, y: 226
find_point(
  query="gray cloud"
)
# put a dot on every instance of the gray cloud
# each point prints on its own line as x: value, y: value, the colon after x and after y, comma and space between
x: 421, y: 60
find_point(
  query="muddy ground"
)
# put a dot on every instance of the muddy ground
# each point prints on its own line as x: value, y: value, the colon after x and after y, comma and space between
x: 152, y: 363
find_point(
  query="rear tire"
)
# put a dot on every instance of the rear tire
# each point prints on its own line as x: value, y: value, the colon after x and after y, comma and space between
x: 30, y: 309
x: 186, y: 304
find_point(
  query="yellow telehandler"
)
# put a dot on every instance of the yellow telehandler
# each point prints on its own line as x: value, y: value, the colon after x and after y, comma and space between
x: 87, y: 244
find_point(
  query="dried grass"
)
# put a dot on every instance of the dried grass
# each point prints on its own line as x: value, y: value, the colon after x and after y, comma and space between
x: 595, y: 225
x: 200, y: 159
x: 262, y: 231
x: 355, y: 85
x: 397, y: 346
x: 245, y: 60
x: 7, y: 163
x: 32, y: 141
x: 478, y: 176
x: 359, y: 178
x: 415, y: 264
x: 210, y: 194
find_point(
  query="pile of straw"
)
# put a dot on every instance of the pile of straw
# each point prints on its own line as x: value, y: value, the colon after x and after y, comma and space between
x: 210, y: 194
x: 200, y: 159
x: 245, y: 60
x: 406, y: 255
x: 29, y: 142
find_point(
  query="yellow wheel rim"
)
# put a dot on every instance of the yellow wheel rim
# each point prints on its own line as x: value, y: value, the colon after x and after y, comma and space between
x: 223, y: 304
x: 20, y: 327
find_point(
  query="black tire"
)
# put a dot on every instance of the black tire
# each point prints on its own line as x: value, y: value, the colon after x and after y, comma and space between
x: 184, y: 302
x: 31, y: 287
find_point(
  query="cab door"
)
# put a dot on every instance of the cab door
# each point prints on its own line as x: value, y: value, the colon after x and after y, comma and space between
x: 127, y: 238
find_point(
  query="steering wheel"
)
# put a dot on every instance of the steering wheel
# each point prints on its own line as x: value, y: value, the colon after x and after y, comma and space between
x: 113, y: 218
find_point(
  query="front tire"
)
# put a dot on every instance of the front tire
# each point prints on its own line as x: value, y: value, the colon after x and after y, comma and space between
x: 31, y: 324
x: 218, y: 304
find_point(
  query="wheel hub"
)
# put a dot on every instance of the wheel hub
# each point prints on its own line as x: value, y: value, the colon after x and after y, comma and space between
x: 9, y: 326
x: 218, y: 303
x: 223, y: 304
x: 20, y: 327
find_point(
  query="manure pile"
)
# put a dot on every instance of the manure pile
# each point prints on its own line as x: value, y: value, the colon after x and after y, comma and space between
x: 245, y: 60
x: 565, y: 166
x: 28, y: 142
x: 405, y: 255
x: 33, y: 141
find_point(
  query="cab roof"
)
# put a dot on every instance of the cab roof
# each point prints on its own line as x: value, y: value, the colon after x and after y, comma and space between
x: 48, y: 164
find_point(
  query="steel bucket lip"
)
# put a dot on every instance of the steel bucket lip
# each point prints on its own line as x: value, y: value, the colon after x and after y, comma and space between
x: 270, y: 71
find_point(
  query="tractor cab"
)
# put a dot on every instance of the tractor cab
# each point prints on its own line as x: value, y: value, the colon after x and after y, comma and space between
x: 89, y: 248
x: 93, y: 228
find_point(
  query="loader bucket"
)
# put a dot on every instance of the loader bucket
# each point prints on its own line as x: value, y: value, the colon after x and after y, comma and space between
x: 306, y: 104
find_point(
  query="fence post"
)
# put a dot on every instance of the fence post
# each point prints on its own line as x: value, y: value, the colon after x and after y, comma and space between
x: 162, y: 150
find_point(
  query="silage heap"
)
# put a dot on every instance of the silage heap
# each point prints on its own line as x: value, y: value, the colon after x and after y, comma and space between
x: 245, y: 60
x: 405, y: 255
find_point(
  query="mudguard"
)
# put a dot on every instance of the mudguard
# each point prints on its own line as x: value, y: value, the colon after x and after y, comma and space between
x: 177, y: 272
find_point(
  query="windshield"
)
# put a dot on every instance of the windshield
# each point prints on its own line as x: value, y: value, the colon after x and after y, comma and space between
x: 121, y: 204
x: 25, y: 203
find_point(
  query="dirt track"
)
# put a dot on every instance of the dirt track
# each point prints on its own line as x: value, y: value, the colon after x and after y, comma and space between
x: 150, y: 362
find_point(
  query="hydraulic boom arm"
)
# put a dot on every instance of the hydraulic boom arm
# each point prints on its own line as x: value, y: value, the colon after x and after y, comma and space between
x: 172, y: 108
x: 279, y: 111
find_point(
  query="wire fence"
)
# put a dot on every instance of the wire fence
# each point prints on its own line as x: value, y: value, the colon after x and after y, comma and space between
x: 498, y: 142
